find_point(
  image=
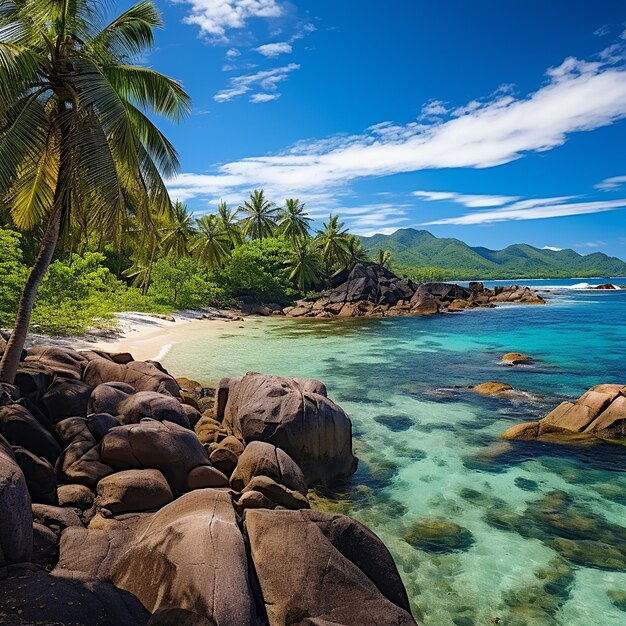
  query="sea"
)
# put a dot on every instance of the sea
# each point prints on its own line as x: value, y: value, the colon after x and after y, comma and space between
x: 481, y: 529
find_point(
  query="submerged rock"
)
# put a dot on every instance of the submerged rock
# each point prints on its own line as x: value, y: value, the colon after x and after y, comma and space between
x: 435, y: 534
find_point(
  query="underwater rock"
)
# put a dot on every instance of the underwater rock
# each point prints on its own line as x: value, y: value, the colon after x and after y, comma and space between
x: 435, y: 534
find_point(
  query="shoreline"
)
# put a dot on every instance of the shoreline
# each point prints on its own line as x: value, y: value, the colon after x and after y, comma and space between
x: 148, y: 337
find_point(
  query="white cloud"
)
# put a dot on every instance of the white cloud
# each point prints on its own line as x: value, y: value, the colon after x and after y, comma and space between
x: 603, y: 30
x: 433, y: 108
x: 535, y: 213
x: 578, y: 96
x: 257, y: 98
x: 267, y: 80
x: 552, y: 248
x: 272, y: 50
x: 216, y: 17
x: 232, y: 53
x: 608, y: 184
x: 468, y: 200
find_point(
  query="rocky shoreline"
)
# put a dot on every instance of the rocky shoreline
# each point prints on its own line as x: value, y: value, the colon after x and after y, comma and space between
x: 370, y: 290
x: 130, y: 497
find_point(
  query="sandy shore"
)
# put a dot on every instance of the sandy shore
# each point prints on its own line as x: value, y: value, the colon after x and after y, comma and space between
x: 145, y: 336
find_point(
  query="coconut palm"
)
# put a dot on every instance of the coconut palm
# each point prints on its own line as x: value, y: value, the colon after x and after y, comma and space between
x: 211, y: 245
x: 305, y: 265
x: 228, y: 219
x: 356, y: 251
x: 333, y: 241
x: 383, y: 258
x: 259, y: 216
x: 75, y: 137
x: 293, y: 221
x: 177, y: 231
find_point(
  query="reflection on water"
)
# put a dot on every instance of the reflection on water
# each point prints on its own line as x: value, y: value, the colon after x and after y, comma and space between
x: 528, y: 532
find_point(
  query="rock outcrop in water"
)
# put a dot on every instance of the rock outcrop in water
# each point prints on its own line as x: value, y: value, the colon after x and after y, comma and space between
x: 113, y: 510
x: 599, y: 414
x: 370, y: 290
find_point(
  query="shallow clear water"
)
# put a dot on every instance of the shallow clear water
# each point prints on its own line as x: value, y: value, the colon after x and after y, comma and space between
x: 541, y: 538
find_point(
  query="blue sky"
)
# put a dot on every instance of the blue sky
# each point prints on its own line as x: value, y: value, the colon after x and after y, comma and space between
x: 494, y: 122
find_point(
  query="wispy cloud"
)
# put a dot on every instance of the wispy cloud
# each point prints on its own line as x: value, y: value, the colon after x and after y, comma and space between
x: 538, y: 212
x: 272, y: 50
x: 577, y: 96
x: 552, y: 248
x: 608, y: 184
x: 232, y: 53
x: 266, y: 80
x: 258, y: 98
x: 602, y: 30
x: 216, y: 17
x: 468, y: 200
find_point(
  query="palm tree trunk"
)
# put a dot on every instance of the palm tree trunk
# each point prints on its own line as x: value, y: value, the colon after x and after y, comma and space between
x: 15, y: 345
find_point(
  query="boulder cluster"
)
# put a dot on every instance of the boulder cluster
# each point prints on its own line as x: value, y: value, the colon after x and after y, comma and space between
x: 370, y: 290
x: 128, y: 497
x: 598, y: 415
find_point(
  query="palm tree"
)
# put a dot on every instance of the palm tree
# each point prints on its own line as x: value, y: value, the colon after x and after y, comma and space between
x: 293, y: 222
x: 356, y: 251
x: 305, y: 265
x: 75, y: 134
x: 178, y: 231
x: 211, y: 245
x: 228, y: 220
x: 260, y: 216
x: 333, y: 241
x: 383, y: 258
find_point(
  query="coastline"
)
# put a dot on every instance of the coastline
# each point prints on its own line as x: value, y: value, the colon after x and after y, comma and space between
x: 144, y: 335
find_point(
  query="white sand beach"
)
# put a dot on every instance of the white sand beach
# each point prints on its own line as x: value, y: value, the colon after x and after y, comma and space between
x: 147, y: 336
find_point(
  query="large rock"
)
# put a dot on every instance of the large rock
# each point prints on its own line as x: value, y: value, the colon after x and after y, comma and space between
x: 339, y: 572
x: 81, y: 461
x: 133, y: 491
x: 20, y: 428
x: 65, y: 362
x: 226, y: 454
x: 141, y: 375
x: 191, y: 556
x: 152, y: 404
x: 598, y: 414
x: 66, y: 398
x: 107, y: 397
x: 40, y: 476
x: 31, y: 595
x: 95, y: 551
x: 295, y: 415
x: 168, y: 447
x: 16, y: 518
x: 264, y: 459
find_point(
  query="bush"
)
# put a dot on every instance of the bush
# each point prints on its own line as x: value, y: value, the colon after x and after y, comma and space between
x: 184, y: 284
x: 259, y: 271
x: 12, y: 275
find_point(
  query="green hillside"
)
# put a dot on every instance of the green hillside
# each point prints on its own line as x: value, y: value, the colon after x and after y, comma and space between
x: 419, y: 254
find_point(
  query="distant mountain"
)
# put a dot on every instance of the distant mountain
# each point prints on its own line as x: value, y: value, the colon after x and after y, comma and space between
x: 422, y: 252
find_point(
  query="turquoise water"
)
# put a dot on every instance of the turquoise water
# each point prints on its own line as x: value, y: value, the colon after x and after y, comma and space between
x: 539, y: 535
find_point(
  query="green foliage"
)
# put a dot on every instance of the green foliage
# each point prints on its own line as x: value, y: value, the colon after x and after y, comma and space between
x: 259, y: 270
x: 12, y: 275
x: 184, y: 283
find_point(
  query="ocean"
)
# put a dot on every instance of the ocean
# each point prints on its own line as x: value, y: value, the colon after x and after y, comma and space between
x: 531, y: 533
